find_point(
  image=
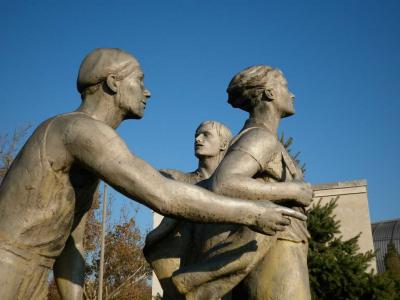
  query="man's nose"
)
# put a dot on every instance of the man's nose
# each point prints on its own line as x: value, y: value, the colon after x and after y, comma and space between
x: 147, y: 93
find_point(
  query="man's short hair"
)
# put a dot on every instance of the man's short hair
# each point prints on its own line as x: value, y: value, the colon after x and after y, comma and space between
x: 100, y: 63
x: 249, y: 84
x: 223, y: 132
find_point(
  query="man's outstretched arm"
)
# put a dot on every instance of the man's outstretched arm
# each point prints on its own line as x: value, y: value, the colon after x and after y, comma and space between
x: 101, y: 150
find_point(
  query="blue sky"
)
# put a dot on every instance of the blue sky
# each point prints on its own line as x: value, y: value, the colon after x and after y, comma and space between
x: 341, y: 59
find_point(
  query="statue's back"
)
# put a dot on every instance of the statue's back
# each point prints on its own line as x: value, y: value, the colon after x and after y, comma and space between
x: 38, y: 194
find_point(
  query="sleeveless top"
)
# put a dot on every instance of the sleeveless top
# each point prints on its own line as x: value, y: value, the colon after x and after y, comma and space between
x: 38, y: 204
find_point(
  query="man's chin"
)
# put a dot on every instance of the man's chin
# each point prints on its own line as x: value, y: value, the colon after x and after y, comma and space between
x: 200, y: 154
x: 136, y: 116
x: 288, y: 114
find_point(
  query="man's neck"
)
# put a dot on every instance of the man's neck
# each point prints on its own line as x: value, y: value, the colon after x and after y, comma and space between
x: 207, y: 166
x: 102, y: 108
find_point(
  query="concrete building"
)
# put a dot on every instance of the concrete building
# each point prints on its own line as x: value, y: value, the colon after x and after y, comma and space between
x: 352, y: 210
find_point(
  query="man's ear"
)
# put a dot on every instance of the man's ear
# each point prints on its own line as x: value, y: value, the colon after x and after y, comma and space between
x: 223, y: 146
x: 269, y: 94
x: 112, y: 82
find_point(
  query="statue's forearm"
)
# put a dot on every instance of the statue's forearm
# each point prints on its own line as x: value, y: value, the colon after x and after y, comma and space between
x: 262, y: 216
x: 245, y: 187
x: 197, y: 204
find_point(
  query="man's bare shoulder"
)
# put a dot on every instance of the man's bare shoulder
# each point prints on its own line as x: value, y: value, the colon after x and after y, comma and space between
x: 74, y: 133
x: 79, y: 125
x: 84, y: 137
x: 77, y: 119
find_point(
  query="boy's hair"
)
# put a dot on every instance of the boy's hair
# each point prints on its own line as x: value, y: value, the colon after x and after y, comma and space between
x: 223, y: 132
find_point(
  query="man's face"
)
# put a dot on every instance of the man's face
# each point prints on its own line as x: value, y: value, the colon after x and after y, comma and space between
x: 284, y: 99
x: 207, y: 141
x: 133, y: 95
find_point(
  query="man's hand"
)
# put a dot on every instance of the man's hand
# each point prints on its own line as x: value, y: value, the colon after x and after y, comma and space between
x: 273, y: 218
x: 303, y: 193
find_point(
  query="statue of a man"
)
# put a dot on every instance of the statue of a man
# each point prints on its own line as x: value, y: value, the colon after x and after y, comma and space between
x: 256, y: 164
x: 168, y: 246
x: 49, y: 188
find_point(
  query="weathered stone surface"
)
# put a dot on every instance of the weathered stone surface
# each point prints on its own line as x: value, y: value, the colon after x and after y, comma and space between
x: 46, y: 193
x: 256, y: 166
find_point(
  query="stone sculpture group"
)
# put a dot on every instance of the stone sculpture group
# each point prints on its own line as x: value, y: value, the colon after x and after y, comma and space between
x: 243, y: 209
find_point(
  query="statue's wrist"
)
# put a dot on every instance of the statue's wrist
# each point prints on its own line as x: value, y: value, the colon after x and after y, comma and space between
x: 252, y: 219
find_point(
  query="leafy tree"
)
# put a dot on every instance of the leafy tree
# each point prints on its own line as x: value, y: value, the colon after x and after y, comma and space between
x: 125, y: 270
x: 9, y: 145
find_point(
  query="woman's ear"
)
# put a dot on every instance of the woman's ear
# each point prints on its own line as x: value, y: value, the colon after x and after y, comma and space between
x: 269, y: 94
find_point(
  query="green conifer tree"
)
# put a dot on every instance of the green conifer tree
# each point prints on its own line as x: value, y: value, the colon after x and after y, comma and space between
x: 386, y: 286
x: 392, y: 260
x: 337, y: 269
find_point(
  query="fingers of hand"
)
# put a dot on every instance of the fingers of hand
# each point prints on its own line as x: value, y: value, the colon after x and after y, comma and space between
x: 284, y: 221
x: 279, y: 228
x: 292, y: 213
x: 265, y: 230
x: 270, y: 232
